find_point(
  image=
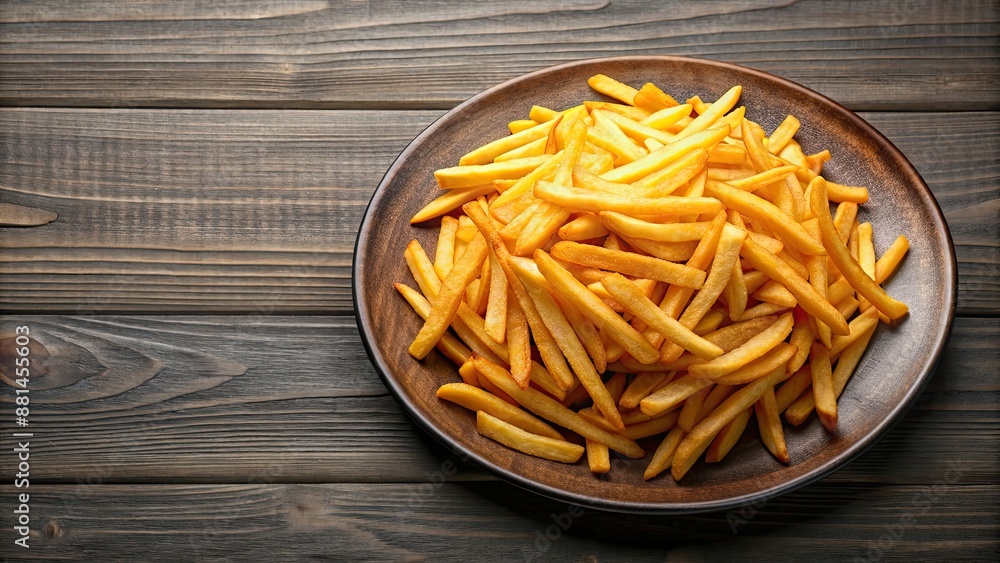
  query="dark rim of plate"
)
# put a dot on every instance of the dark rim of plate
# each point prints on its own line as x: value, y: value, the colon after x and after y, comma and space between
x: 849, y: 454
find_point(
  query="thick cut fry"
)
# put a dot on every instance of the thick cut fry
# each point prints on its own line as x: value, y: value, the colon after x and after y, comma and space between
x: 586, y: 200
x: 450, y: 297
x: 551, y: 410
x: 758, y: 209
x: 476, y: 399
x: 594, y: 309
x: 841, y: 257
x: 782, y: 134
x: 753, y: 349
x: 629, y: 263
x: 807, y: 297
x: 701, y: 436
x: 636, y: 303
x: 728, y: 436
x: 444, y: 258
x: 651, y: 427
x: 422, y: 270
x: 526, y: 442
x: 822, y: 385
x: 641, y: 387
x: 890, y: 259
x: 769, y: 424
x: 840, y: 193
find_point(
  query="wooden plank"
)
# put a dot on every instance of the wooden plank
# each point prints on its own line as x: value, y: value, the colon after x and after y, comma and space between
x: 99, y: 53
x: 257, y: 211
x: 496, y: 521
x: 268, y: 399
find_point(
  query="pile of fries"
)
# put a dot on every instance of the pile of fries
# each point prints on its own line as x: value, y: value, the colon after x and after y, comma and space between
x: 647, y: 268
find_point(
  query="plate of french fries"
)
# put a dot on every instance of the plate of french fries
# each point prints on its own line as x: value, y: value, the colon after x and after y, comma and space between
x: 654, y: 284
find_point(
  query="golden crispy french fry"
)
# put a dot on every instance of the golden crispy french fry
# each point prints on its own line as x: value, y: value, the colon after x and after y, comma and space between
x: 547, y: 347
x: 422, y: 269
x: 840, y: 193
x: 673, y: 394
x: 822, y: 385
x: 598, y: 457
x: 664, y: 118
x: 450, y: 346
x: 450, y: 297
x: 753, y: 349
x: 636, y: 303
x: 727, y: 154
x: 586, y: 200
x: 551, y: 410
x: 479, y: 174
x: 444, y: 257
x: 726, y: 255
x: 612, y: 88
x: 586, y: 226
x: 451, y: 200
x: 859, y: 326
x: 774, y: 292
x: 633, y: 128
x: 594, y: 309
x: 802, y: 337
x: 640, y: 388
x: 669, y: 179
x: 571, y: 347
x: 807, y: 297
x: 669, y: 251
x: 526, y: 442
x: 651, y: 98
x: 713, y: 114
x: 769, y: 425
x: 628, y: 263
x: 758, y: 209
x: 890, y: 259
x: 701, y: 436
x: 543, y: 224
x: 651, y: 427
x: 767, y: 177
x: 525, y: 184
x: 662, y: 157
x: 728, y: 436
x: 518, y: 339
x: 778, y: 356
x: 793, y: 388
x: 476, y: 399
x: 666, y: 232
x: 496, y: 305
x: 486, y: 153
x: 782, y: 134
x: 761, y: 158
x: 519, y: 125
x: 848, y: 267
x: 664, y: 454
x: 608, y: 136
x: 631, y: 112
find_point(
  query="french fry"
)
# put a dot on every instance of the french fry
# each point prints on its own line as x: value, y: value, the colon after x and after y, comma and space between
x: 598, y: 457
x: 807, y: 297
x: 664, y: 454
x: 714, y: 113
x: 651, y: 427
x: 496, y: 305
x: 478, y: 174
x: 551, y: 410
x: 651, y: 98
x: 727, y: 437
x: 585, y: 200
x: 753, y: 349
x: 486, y: 153
x: 676, y: 391
x: 612, y: 88
x: 662, y: 157
x: 518, y: 339
x: 664, y: 232
x: 769, y: 425
x: 822, y: 385
x: 595, y: 309
x: 629, y: 263
x: 451, y: 200
x: 749, y: 205
x: 641, y: 387
x: 701, y: 436
x: 890, y: 259
x: 476, y: 399
x: 842, y: 259
x: 776, y: 357
x: 450, y: 346
x: 586, y: 226
x: 526, y: 442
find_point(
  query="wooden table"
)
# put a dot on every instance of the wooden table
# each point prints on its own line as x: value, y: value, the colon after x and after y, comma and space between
x: 207, y: 393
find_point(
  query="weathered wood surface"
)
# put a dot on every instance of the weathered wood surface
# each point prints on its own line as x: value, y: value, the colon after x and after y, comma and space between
x: 294, y: 399
x: 257, y: 211
x: 101, y: 53
x: 495, y: 521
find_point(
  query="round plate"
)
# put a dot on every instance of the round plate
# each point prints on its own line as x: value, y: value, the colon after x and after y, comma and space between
x: 889, y: 378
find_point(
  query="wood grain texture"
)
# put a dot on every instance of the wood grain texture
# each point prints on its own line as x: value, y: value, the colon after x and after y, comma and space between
x: 101, y: 53
x: 257, y: 211
x: 272, y: 399
x: 496, y: 521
